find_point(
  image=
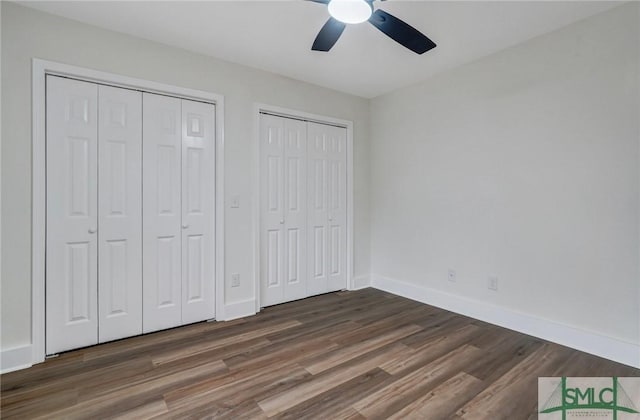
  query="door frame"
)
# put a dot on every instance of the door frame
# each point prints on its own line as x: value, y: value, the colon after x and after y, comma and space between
x: 278, y: 111
x: 41, y: 68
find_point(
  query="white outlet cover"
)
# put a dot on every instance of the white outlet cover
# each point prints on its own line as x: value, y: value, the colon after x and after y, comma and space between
x: 235, y: 280
x: 493, y: 283
x: 451, y: 275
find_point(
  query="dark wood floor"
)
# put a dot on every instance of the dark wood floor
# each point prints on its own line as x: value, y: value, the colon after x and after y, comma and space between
x: 347, y: 355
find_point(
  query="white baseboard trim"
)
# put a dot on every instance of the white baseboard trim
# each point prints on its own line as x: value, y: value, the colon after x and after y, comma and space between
x: 15, y: 358
x: 361, y: 282
x: 240, y: 309
x: 579, y: 339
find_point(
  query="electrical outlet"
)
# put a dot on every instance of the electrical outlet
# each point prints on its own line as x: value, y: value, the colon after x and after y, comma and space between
x: 451, y: 275
x: 493, y: 283
x: 235, y: 201
x: 235, y: 280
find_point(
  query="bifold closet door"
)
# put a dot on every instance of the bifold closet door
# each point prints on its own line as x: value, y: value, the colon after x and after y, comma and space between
x: 327, y: 215
x: 283, y: 241
x: 119, y: 213
x: 178, y: 226
x: 162, y: 239
x: 126, y: 169
x: 72, y: 220
x: 198, y: 192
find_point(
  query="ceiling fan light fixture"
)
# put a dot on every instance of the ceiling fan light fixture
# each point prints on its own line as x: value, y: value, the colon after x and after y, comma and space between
x: 350, y: 11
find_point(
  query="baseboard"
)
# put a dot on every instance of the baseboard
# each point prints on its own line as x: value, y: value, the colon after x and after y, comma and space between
x: 579, y: 339
x: 361, y: 282
x: 240, y: 309
x: 15, y: 358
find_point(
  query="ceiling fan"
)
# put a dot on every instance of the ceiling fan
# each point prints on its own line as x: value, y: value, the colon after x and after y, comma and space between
x: 345, y: 12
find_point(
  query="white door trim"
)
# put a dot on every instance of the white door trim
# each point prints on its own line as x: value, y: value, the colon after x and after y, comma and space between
x: 322, y: 119
x: 40, y: 68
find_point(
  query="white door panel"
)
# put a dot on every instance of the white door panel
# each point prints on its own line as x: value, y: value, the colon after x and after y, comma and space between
x: 318, y: 213
x: 327, y: 208
x: 272, y: 209
x: 295, y: 209
x: 120, y: 213
x: 198, y: 189
x: 283, y: 220
x: 337, y: 208
x: 71, y: 263
x: 162, y: 236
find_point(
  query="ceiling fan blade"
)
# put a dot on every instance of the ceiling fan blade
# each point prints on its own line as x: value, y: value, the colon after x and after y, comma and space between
x: 328, y: 35
x: 401, y: 32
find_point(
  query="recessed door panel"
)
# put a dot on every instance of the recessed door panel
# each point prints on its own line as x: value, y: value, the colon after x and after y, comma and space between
x: 198, y: 213
x: 293, y: 251
x: 79, y: 176
x: 71, y: 246
x: 274, y: 258
x: 320, y: 184
x: 195, y: 181
x: 114, y: 294
x: 116, y: 156
x: 78, y: 282
x: 195, y: 266
x: 162, y: 259
x: 335, y: 250
x: 120, y: 213
x: 319, y: 248
x: 167, y: 180
x: 293, y: 176
x: 274, y: 184
x: 168, y: 269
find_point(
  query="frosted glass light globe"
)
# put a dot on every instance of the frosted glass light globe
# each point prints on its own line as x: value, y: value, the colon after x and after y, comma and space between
x: 350, y: 11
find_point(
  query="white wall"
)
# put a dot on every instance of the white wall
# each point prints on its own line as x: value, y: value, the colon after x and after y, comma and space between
x: 524, y: 165
x: 27, y: 33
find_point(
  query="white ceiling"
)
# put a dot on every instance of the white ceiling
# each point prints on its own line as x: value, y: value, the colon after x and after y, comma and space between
x: 277, y: 35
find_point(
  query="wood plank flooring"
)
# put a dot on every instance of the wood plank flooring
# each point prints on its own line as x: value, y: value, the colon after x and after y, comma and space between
x: 346, y: 355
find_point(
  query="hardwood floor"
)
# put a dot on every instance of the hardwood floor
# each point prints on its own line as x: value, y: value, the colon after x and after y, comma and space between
x: 346, y: 355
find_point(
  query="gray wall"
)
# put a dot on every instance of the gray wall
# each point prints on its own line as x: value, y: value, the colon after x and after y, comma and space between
x: 27, y: 33
x: 523, y: 165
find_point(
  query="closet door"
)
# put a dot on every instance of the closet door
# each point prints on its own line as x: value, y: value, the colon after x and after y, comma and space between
x: 161, y: 173
x: 272, y: 209
x: 283, y: 202
x: 295, y: 209
x: 327, y: 208
x: 198, y: 190
x: 337, y: 207
x: 72, y: 195
x: 119, y: 213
